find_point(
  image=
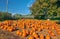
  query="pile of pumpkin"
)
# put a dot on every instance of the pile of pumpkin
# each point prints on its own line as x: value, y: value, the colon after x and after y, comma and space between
x: 32, y: 29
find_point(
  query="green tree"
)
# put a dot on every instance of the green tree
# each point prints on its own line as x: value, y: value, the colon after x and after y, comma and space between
x: 17, y: 16
x: 1, y: 16
x: 5, y: 16
x: 45, y: 8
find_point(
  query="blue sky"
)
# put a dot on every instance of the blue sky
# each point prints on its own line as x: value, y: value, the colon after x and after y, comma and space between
x: 16, y: 6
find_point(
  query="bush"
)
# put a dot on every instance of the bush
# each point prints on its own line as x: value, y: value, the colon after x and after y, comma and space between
x: 39, y: 17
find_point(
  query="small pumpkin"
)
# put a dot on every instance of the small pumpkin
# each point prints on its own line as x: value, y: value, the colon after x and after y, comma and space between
x: 41, y: 36
x: 24, y: 34
x: 52, y: 34
x: 10, y: 30
x: 2, y: 27
x: 27, y: 31
x: 18, y: 33
x: 58, y: 32
x: 31, y: 37
x: 31, y: 32
x: 5, y: 28
x: 35, y: 34
x: 47, y: 37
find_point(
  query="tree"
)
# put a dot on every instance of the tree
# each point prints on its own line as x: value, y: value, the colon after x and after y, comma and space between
x: 45, y: 8
x: 5, y: 16
x: 17, y: 16
x: 1, y: 16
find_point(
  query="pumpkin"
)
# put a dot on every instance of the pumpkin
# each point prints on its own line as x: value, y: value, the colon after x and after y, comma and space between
x: 42, y: 27
x: 18, y: 33
x: 41, y: 36
x: 53, y: 27
x: 35, y: 35
x: 58, y: 32
x: 33, y: 29
x: 49, y: 31
x: 10, y: 30
x: 58, y: 29
x: 39, y: 29
x: 27, y: 31
x: 24, y: 34
x: 5, y: 28
x: 23, y: 30
x: 52, y: 34
x: 31, y: 32
x: 47, y: 37
x: 28, y: 26
x: 31, y: 37
x: 2, y: 27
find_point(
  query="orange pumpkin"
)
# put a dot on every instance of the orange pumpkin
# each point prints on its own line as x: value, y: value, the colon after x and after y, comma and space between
x: 31, y: 37
x: 49, y: 31
x: 53, y: 27
x: 39, y: 29
x: 5, y: 28
x: 10, y: 30
x: 31, y: 32
x: 28, y: 26
x: 2, y: 27
x: 41, y: 36
x: 58, y: 29
x: 33, y: 29
x: 27, y: 31
x: 18, y: 33
x: 52, y: 34
x: 24, y: 34
x: 35, y: 35
x: 47, y: 37
x: 58, y: 32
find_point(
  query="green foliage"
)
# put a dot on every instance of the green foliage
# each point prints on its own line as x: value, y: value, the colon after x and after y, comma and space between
x: 9, y: 16
x: 17, y: 16
x: 5, y: 16
x: 45, y: 8
x: 39, y: 16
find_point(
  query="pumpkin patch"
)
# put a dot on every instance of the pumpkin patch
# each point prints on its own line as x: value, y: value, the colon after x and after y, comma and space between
x: 31, y: 29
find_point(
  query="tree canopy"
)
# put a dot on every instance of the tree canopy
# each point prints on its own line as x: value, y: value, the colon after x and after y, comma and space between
x: 46, y: 8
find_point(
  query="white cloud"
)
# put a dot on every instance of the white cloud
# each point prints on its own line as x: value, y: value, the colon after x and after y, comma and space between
x: 30, y: 3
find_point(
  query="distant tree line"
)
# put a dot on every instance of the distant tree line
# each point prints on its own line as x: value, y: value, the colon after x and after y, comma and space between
x: 9, y: 16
